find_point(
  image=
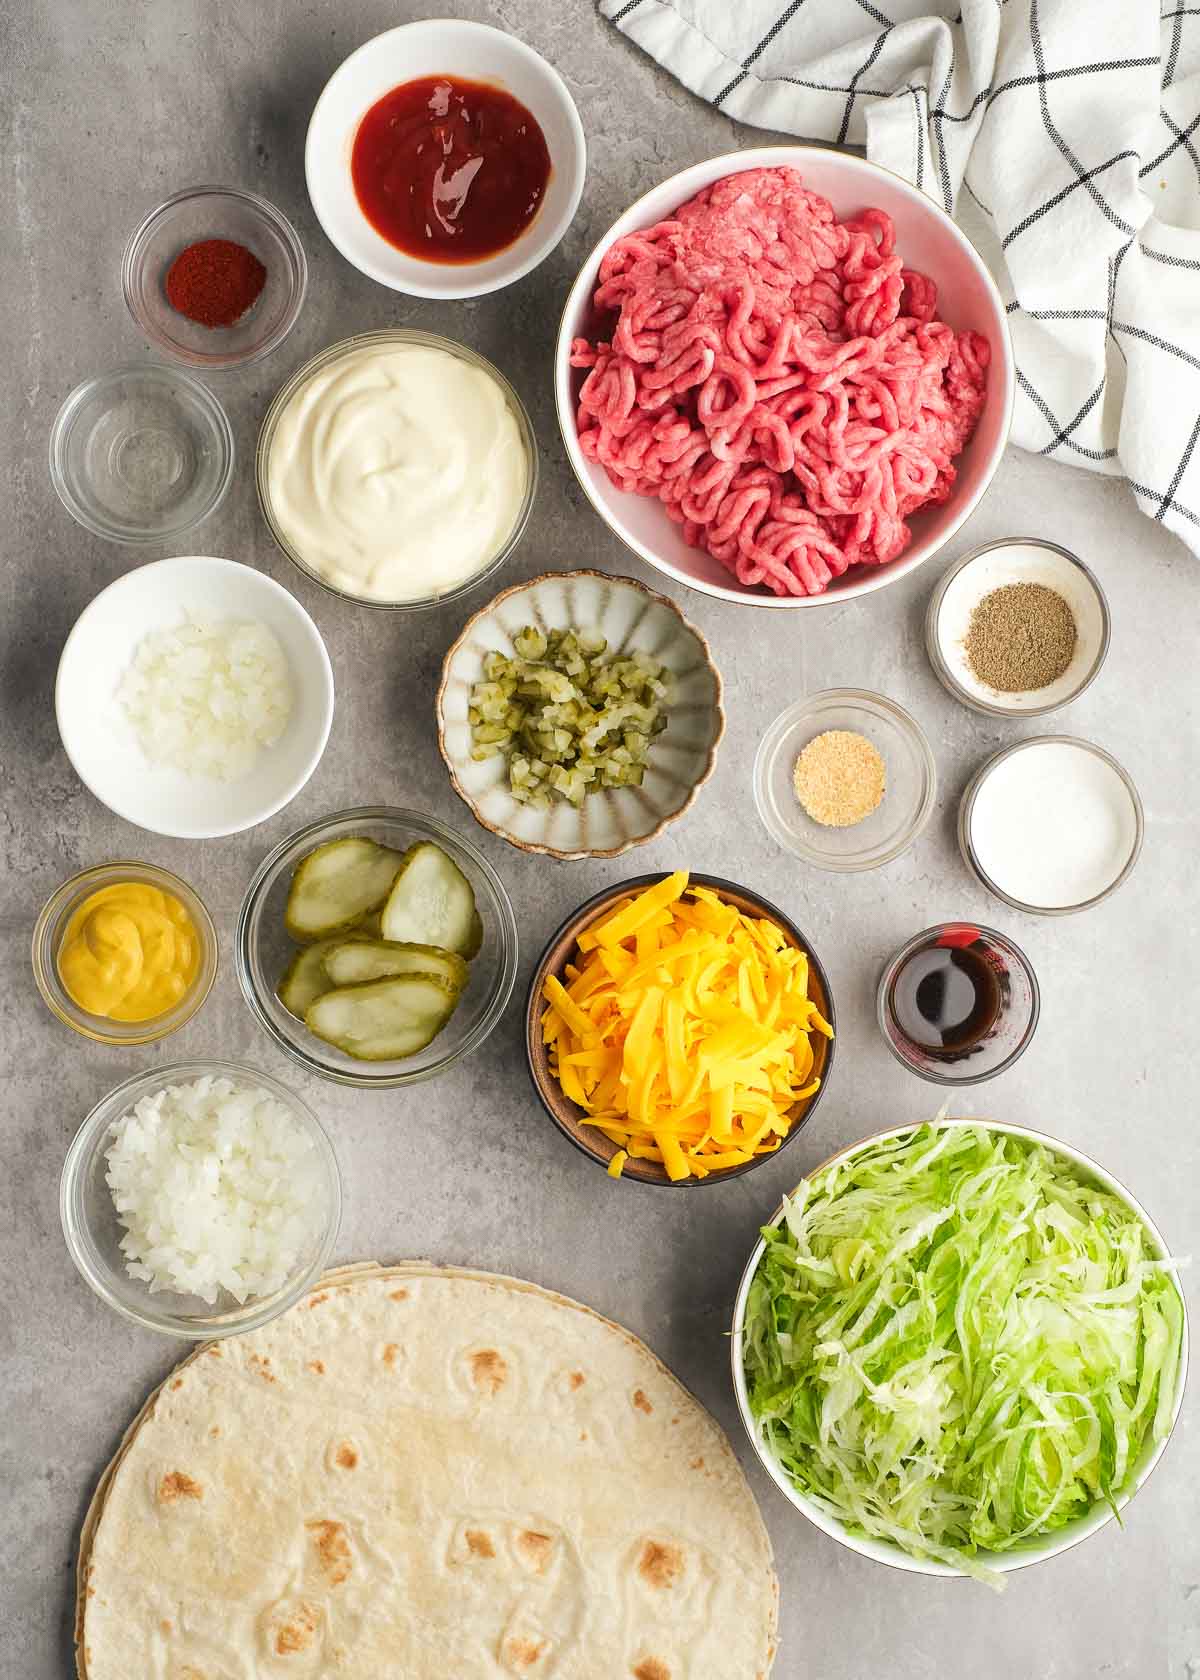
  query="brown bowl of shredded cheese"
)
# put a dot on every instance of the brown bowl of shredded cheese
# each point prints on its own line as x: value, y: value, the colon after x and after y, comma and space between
x: 845, y: 779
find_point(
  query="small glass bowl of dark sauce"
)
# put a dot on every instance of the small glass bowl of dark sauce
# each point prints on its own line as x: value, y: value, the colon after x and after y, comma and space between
x: 958, y: 1004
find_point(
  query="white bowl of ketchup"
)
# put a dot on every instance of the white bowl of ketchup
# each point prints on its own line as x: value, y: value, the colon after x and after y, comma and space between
x: 445, y: 159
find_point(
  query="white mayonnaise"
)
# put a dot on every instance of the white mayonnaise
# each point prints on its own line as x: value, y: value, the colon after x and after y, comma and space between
x: 397, y: 472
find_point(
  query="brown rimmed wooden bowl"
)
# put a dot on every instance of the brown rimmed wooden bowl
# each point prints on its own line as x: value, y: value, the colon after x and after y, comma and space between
x: 553, y: 961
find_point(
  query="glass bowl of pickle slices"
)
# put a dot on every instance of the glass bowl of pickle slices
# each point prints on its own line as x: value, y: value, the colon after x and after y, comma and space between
x: 376, y: 946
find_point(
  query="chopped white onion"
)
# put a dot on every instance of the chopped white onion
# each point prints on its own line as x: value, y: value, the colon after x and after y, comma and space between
x: 218, y: 1187
x: 205, y: 696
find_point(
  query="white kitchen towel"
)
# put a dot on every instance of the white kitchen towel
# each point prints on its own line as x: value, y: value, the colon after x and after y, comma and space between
x: 1063, y: 136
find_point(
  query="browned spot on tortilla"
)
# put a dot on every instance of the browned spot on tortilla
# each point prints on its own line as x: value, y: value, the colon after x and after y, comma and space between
x: 577, y: 1379
x: 346, y: 1456
x: 651, y: 1669
x: 317, y: 1365
x: 299, y: 1633
x: 536, y: 1548
x: 215, y: 1430
x: 317, y: 1299
x: 521, y: 1653
x: 390, y: 1354
x: 583, y: 1434
x: 165, y: 1626
x: 641, y: 1403
x: 261, y: 1366
x: 697, y: 1464
x: 660, y: 1565
x: 343, y: 1289
x: 215, y: 1353
x: 178, y: 1383
x: 176, y: 1485
x: 489, y: 1370
x: 333, y: 1549
x: 399, y: 1294
x: 479, y: 1544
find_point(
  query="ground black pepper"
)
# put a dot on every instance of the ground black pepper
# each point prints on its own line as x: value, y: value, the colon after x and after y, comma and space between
x: 1020, y: 637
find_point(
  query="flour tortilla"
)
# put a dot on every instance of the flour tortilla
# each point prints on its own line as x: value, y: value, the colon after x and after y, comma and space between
x: 425, y: 1474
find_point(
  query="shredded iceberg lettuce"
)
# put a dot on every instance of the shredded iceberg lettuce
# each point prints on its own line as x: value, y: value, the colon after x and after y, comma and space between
x: 956, y: 1343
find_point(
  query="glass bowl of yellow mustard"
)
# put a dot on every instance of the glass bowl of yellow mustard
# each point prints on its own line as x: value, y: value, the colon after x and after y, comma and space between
x: 124, y: 953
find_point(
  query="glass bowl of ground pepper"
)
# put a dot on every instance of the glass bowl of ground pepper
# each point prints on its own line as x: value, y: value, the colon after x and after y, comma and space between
x: 215, y: 277
x: 1017, y: 628
x: 845, y: 779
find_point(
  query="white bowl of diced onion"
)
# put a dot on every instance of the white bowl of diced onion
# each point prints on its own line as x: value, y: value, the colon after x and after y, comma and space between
x: 228, y: 1187
x: 194, y: 697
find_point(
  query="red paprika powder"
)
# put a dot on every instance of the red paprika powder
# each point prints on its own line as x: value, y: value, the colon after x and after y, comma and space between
x: 215, y: 282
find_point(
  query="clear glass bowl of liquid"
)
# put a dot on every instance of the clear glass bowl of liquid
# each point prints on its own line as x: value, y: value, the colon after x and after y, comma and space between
x: 958, y: 1004
x: 142, y: 454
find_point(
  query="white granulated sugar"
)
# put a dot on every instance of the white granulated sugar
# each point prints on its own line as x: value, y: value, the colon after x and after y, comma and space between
x: 205, y: 696
x: 1053, y: 825
x: 218, y: 1186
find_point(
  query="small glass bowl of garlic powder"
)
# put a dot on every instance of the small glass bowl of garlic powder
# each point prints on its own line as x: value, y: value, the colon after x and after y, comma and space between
x: 817, y: 779
x: 397, y: 468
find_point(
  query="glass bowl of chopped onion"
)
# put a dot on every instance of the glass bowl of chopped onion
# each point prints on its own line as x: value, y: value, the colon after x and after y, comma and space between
x: 845, y: 779
x: 200, y: 1199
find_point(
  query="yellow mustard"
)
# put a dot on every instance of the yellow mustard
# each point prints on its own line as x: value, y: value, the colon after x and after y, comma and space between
x: 130, y: 952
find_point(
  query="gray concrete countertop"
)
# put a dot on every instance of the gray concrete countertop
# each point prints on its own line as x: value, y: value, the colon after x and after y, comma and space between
x: 109, y: 106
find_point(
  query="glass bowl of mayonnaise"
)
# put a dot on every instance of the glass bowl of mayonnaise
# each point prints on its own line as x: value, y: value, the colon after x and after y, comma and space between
x: 124, y: 953
x: 397, y: 469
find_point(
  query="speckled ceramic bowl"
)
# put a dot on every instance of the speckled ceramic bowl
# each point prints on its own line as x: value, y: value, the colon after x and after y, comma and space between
x: 682, y: 758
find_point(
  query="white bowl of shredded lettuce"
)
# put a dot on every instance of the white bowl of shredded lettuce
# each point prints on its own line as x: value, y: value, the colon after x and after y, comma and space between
x: 960, y: 1348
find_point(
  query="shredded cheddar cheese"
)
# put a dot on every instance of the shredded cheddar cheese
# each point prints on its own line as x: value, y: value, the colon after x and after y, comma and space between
x: 684, y: 1030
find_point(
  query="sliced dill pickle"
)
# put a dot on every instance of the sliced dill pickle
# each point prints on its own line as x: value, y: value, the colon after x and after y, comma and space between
x: 384, y: 1020
x: 431, y: 903
x: 371, y: 925
x: 304, y: 978
x: 360, y: 960
x: 338, y: 884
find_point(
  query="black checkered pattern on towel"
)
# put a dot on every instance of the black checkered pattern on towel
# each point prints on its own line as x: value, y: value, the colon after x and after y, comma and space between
x: 1064, y: 134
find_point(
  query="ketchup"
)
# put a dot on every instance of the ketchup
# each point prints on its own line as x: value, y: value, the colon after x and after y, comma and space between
x: 449, y: 170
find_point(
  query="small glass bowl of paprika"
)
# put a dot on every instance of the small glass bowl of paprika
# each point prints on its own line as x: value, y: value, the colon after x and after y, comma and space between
x: 101, y: 926
x: 215, y: 277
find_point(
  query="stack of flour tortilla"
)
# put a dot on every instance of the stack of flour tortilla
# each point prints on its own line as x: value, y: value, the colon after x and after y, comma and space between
x: 427, y: 1474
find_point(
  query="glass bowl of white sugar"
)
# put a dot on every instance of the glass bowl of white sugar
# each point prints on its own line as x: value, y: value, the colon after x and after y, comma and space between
x: 1051, y: 825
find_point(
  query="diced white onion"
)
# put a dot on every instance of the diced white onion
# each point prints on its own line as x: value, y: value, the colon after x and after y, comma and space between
x: 218, y: 1187
x: 204, y: 696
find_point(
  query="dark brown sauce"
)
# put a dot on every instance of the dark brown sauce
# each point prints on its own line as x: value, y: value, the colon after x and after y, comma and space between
x: 947, y: 998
